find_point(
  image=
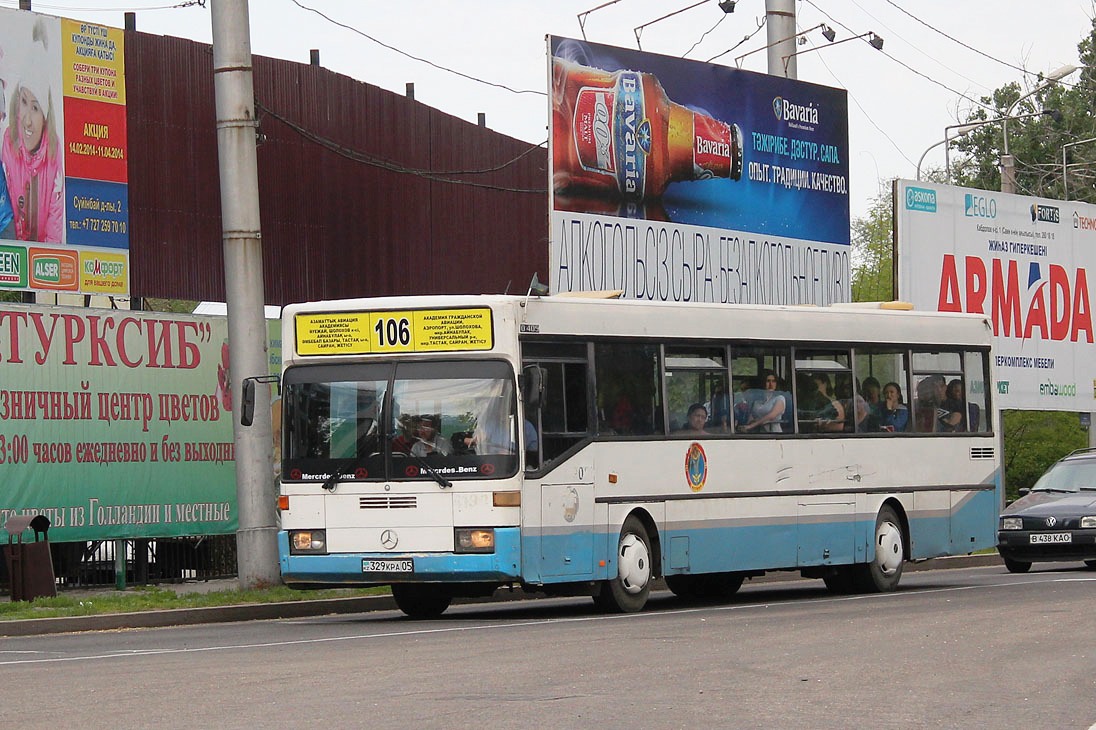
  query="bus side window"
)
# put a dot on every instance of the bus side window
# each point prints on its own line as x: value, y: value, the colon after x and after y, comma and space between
x: 563, y: 419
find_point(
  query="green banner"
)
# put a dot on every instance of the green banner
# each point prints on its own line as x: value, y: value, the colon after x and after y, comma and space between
x: 116, y: 424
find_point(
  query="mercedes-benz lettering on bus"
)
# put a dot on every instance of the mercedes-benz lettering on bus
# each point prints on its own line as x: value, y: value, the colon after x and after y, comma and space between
x: 449, y: 446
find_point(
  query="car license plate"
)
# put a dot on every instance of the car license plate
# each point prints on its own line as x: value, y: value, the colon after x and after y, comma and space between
x: 389, y: 565
x: 1051, y: 537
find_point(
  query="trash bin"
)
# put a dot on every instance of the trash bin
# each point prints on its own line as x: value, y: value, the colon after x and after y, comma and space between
x: 30, y: 565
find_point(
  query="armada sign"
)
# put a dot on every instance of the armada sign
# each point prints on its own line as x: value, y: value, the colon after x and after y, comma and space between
x: 1057, y: 308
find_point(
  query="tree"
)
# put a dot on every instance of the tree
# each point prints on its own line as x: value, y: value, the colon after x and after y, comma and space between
x: 872, y: 252
x: 1037, y: 143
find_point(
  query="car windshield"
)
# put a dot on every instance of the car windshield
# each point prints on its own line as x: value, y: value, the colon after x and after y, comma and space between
x: 1068, y: 476
x: 408, y: 421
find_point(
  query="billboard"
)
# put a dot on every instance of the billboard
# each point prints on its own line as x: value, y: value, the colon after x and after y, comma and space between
x: 676, y: 180
x: 116, y: 424
x: 1023, y: 262
x: 64, y: 200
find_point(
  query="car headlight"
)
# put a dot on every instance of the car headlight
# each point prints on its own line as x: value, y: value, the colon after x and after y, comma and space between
x: 1088, y: 521
x: 308, y: 542
x: 1012, y: 523
x: 474, y: 540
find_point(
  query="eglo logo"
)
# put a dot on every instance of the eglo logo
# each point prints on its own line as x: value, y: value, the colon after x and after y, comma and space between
x: 979, y: 206
x: 922, y: 199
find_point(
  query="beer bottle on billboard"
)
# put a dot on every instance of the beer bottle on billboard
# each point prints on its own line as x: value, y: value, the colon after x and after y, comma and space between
x: 618, y: 134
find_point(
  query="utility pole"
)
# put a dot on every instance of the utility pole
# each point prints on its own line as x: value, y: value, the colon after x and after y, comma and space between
x: 780, y: 34
x: 256, y: 538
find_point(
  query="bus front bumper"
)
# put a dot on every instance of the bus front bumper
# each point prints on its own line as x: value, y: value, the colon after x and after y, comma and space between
x: 346, y: 569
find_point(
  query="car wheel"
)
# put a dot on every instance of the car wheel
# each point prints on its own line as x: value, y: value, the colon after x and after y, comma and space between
x: 884, y: 569
x: 1016, y: 566
x: 421, y: 601
x: 627, y: 592
x: 1090, y: 564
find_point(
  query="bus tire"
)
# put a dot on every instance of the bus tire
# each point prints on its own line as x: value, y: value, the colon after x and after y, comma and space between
x: 420, y: 601
x: 1018, y: 566
x: 627, y: 592
x: 884, y: 569
x: 842, y: 581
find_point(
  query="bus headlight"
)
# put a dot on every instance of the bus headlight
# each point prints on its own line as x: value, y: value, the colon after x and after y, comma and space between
x: 311, y: 542
x: 1088, y: 521
x: 474, y: 540
x: 1012, y: 523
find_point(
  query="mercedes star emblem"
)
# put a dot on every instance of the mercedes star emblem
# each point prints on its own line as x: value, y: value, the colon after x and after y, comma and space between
x: 389, y: 539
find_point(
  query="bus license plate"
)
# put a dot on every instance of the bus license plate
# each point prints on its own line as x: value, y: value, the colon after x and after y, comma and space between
x: 392, y: 565
x: 1047, y: 537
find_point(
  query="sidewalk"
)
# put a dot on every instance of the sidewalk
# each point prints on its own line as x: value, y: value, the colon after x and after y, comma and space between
x: 317, y: 607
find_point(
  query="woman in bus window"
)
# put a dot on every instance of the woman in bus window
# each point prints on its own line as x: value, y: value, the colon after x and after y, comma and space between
x: 893, y: 414
x: 821, y: 407
x: 767, y: 409
x: 696, y: 418
x: 953, y: 404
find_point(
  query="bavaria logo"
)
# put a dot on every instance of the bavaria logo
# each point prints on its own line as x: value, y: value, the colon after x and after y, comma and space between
x: 778, y: 108
x: 1045, y: 214
x: 789, y: 111
x: 922, y: 199
x: 979, y: 206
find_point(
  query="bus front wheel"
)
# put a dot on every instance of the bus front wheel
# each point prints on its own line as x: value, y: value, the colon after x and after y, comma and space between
x: 627, y: 592
x: 421, y: 601
x: 884, y: 568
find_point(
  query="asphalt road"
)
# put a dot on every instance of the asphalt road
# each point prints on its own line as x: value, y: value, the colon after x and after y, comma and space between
x: 973, y: 647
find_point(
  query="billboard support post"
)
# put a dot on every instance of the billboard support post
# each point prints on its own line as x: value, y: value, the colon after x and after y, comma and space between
x: 256, y: 538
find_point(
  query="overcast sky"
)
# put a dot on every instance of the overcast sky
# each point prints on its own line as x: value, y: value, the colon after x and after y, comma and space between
x: 938, y: 55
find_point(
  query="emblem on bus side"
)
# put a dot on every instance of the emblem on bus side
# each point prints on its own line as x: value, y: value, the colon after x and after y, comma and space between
x: 696, y: 467
x: 570, y: 505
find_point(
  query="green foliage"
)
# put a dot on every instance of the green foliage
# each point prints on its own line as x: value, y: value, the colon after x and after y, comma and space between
x: 1037, y: 143
x: 872, y: 252
x: 153, y: 598
x: 1033, y: 441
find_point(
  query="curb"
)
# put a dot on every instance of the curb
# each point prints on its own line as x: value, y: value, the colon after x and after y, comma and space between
x: 335, y: 606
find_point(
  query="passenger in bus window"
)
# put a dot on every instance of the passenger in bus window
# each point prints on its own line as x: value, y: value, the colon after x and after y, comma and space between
x: 893, y: 414
x: 721, y: 409
x: 858, y: 414
x: 429, y: 440
x: 819, y: 408
x: 695, y: 419
x: 872, y: 392
x: 767, y: 408
x: 953, y: 404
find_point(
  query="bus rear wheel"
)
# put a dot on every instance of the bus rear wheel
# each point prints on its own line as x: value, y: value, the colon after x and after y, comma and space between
x: 627, y: 592
x: 421, y: 601
x: 884, y: 569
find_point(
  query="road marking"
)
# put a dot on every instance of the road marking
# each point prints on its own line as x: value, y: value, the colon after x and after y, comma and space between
x: 133, y: 653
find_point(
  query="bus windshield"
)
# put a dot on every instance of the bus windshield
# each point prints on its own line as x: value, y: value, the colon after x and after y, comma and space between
x: 396, y: 422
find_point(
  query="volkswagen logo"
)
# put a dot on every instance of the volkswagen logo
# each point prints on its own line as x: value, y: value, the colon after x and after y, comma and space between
x: 389, y: 539
x: 1051, y: 522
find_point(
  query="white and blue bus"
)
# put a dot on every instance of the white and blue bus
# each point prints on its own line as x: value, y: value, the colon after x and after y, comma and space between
x: 452, y: 445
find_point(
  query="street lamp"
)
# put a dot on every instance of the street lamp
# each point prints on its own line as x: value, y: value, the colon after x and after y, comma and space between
x: 964, y: 129
x: 1008, y: 162
x: 827, y: 32
x: 874, y: 40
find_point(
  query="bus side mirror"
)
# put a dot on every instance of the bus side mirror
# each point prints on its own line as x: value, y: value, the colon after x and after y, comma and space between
x: 247, y: 397
x: 533, y: 385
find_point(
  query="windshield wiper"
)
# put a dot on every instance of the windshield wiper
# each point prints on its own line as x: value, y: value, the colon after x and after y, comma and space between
x: 437, y: 477
x: 353, y: 463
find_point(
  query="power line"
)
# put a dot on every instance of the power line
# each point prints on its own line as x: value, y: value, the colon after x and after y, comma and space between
x: 704, y: 35
x: 413, y: 57
x: 956, y: 40
x: 434, y: 175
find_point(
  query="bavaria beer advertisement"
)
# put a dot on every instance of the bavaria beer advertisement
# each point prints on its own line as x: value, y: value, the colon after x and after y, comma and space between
x: 675, y: 180
x: 64, y: 200
x: 1024, y: 262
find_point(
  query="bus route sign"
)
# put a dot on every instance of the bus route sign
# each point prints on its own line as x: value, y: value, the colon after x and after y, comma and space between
x: 424, y: 330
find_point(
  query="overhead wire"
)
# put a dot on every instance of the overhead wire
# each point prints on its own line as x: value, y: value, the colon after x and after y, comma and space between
x: 434, y: 175
x: 704, y: 35
x: 428, y: 62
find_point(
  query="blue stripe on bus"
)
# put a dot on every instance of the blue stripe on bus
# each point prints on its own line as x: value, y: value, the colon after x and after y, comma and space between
x: 747, y: 548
